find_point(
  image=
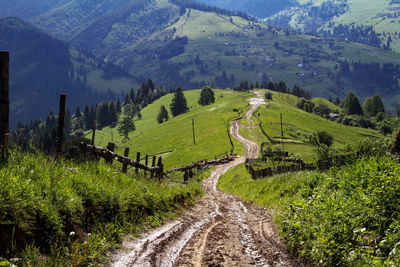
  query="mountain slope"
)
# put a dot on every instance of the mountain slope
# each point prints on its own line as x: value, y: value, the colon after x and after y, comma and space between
x: 47, y: 67
x: 257, y: 8
x: 317, y: 15
x: 26, y: 9
x: 178, y: 42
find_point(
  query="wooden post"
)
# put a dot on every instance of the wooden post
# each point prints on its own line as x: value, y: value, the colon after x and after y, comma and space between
x: 111, y: 147
x: 126, y: 154
x: 61, y: 122
x: 94, y: 132
x: 283, y: 148
x: 153, y: 164
x: 160, y: 171
x: 194, y: 135
x: 138, y: 161
x: 146, y: 162
x: 4, y: 104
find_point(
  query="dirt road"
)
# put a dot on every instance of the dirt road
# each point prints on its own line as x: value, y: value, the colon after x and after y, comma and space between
x: 218, y: 231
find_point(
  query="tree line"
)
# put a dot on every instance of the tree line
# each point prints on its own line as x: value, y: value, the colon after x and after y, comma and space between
x: 277, y: 86
x: 41, y: 135
x: 370, y: 115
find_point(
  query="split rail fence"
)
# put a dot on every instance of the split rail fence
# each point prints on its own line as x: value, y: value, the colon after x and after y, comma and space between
x: 109, y: 155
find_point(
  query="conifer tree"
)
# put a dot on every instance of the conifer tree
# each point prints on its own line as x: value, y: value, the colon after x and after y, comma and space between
x: 206, y: 96
x: 351, y: 105
x: 179, y: 104
x: 373, y: 105
x: 162, y: 115
x: 78, y: 112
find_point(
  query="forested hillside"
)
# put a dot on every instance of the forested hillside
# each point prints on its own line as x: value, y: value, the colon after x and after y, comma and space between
x: 40, y: 72
x: 191, y: 44
x: 257, y: 8
x: 340, y: 17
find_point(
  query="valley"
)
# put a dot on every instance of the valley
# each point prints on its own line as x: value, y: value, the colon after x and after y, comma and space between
x: 218, y: 230
x: 199, y: 133
x: 191, y: 45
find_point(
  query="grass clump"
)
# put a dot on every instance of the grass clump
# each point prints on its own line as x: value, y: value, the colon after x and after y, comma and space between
x: 351, y: 217
x: 346, y: 217
x: 69, y: 214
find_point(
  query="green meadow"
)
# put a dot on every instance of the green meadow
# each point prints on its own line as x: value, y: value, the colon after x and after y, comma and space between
x: 299, y: 125
x: 173, y: 140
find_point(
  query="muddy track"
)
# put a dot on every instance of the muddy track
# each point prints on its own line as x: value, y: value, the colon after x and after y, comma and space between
x: 218, y: 231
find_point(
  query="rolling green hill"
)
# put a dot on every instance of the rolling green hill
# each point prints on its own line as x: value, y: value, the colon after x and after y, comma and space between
x: 316, y: 15
x: 183, y: 43
x: 173, y: 139
x: 40, y: 72
x: 257, y: 8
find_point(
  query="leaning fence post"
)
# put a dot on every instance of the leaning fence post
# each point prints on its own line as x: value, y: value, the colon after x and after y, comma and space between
x: 146, y: 162
x: 61, y: 121
x: 153, y: 164
x: 138, y: 161
x: 4, y: 104
x: 126, y: 154
x: 109, y: 158
x: 94, y: 132
x: 160, y: 170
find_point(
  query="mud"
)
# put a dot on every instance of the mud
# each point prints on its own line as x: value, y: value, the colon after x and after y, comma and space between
x: 218, y: 231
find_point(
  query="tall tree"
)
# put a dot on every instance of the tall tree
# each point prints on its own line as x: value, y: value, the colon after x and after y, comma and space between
x: 373, y: 105
x: 179, y: 104
x: 126, y: 126
x: 351, y: 105
x: 206, y: 96
x: 162, y: 115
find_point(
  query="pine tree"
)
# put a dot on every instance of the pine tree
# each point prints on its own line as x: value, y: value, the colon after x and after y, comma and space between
x: 351, y: 105
x: 206, y: 96
x: 126, y: 126
x: 78, y: 112
x: 162, y: 115
x: 179, y: 104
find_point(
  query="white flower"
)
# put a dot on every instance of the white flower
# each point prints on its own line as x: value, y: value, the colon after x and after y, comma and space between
x: 72, y: 233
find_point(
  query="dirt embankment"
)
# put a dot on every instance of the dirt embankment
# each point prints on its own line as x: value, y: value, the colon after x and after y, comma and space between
x: 219, y: 230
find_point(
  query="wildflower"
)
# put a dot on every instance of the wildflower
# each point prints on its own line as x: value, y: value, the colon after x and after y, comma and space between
x: 72, y: 234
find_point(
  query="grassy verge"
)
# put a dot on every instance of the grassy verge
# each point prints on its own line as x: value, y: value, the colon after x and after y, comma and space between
x: 346, y: 217
x: 70, y: 214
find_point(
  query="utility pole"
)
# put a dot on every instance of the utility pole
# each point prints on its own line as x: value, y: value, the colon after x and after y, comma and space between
x: 283, y: 148
x: 4, y: 104
x: 194, y: 135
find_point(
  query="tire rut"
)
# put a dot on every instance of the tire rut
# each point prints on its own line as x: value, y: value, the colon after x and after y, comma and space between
x: 218, y: 231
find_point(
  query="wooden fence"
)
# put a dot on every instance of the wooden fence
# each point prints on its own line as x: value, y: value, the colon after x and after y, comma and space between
x: 109, y: 156
x: 321, y: 165
x: 267, y: 172
x: 188, y: 170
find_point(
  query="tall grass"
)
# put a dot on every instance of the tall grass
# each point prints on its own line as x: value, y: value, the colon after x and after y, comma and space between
x: 349, y: 216
x: 72, y: 213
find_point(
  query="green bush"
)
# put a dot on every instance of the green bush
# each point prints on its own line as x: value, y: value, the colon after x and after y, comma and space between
x: 350, y: 218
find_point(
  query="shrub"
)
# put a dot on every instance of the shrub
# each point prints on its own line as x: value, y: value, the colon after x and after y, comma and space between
x: 350, y: 218
x: 322, y: 138
x: 385, y: 128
